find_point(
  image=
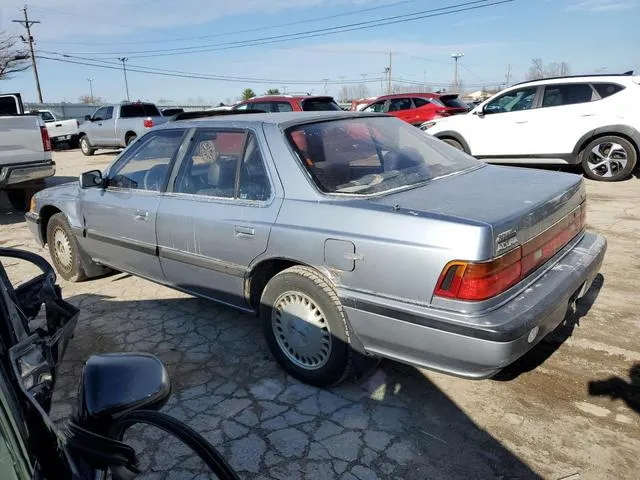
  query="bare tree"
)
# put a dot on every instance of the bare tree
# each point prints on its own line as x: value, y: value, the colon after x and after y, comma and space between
x: 89, y: 99
x: 14, y: 57
x: 539, y: 70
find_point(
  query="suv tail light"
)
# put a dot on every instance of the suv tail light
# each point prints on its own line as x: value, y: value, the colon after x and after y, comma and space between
x: 148, y: 123
x: 476, y: 281
x: 46, y: 141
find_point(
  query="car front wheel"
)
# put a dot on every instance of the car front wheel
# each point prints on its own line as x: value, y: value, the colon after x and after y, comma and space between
x: 305, y: 327
x: 85, y: 147
x: 64, y: 249
x: 608, y: 159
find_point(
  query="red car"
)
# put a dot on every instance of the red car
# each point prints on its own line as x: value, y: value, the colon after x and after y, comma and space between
x: 288, y: 103
x: 417, y: 108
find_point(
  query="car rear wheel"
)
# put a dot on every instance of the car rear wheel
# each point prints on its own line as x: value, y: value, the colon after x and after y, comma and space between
x: 305, y: 327
x: 129, y: 139
x: 85, y: 147
x: 608, y: 159
x: 64, y: 249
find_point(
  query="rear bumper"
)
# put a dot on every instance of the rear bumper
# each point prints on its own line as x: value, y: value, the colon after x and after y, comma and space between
x: 26, y: 172
x: 476, y: 346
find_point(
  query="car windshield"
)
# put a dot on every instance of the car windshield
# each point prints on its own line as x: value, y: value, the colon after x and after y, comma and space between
x: 46, y: 116
x: 372, y: 155
x: 453, y: 101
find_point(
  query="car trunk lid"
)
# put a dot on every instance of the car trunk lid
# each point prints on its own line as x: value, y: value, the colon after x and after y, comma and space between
x: 518, y: 204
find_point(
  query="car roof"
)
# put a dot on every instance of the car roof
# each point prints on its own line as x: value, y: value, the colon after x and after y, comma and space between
x: 286, y: 97
x: 580, y: 79
x: 410, y: 95
x: 281, y: 119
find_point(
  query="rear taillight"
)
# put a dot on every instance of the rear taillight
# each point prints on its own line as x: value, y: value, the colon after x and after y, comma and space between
x: 475, y: 281
x: 444, y: 113
x: 148, y: 123
x: 46, y: 141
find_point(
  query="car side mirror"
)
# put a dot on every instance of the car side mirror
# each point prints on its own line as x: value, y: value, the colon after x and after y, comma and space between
x: 112, y: 385
x: 88, y: 118
x: 90, y: 179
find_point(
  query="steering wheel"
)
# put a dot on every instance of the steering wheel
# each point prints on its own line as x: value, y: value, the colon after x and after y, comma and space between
x: 154, y: 177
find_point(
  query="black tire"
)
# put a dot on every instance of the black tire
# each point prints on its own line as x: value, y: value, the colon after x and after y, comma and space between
x: 85, y: 146
x: 613, y: 170
x: 454, y: 143
x: 74, y: 142
x: 130, y: 138
x: 310, y: 283
x: 70, y: 270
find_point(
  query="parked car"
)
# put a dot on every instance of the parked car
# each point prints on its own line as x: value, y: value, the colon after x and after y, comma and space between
x: 348, y: 233
x: 116, y: 126
x: 288, y: 103
x: 587, y: 120
x: 416, y: 108
x: 36, y: 325
x: 60, y: 131
x: 25, y: 152
x: 359, y: 104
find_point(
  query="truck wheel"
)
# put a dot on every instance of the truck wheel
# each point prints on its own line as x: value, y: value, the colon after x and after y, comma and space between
x: 64, y: 249
x: 305, y: 327
x: 85, y: 146
x: 608, y: 159
x: 130, y: 138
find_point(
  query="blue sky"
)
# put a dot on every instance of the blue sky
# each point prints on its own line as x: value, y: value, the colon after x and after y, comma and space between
x: 591, y: 35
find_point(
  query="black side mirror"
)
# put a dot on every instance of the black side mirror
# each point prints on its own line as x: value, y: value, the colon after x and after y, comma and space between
x: 90, y: 179
x: 112, y: 385
x: 87, y: 118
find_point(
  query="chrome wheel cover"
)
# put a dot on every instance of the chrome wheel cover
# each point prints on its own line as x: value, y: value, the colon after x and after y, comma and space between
x: 607, y: 159
x: 301, y: 330
x: 62, y: 249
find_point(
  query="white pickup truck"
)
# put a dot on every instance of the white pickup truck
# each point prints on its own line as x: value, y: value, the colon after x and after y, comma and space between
x: 60, y: 131
x: 25, y: 152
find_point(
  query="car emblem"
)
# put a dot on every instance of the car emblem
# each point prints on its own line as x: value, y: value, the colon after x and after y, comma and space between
x: 506, y: 240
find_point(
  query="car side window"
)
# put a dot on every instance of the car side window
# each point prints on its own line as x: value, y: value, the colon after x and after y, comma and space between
x: 607, y: 89
x: 146, y: 164
x: 264, y: 106
x: 108, y: 115
x: 282, y: 107
x: 241, y: 107
x: 398, y: 104
x: 377, y: 107
x: 515, y: 100
x: 210, y: 166
x: 568, y: 94
x: 253, y: 183
x: 100, y: 114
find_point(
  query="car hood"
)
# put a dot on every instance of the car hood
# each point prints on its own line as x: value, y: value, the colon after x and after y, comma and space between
x: 509, y: 199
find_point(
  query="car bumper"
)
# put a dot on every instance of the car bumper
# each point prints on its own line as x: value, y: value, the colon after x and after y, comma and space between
x: 26, y: 172
x: 476, y: 346
x: 63, y: 138
x: 33, y: 224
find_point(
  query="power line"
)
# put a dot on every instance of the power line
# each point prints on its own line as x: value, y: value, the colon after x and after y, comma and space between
x: 26, y: 23
x: 197, y: 76
x: 435, y: 12
x: 226, y: 34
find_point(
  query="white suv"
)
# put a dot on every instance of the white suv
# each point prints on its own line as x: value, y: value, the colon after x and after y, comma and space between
x: 589, y: 120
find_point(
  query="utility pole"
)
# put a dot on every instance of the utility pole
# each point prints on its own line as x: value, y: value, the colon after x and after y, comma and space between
x: 508, y: 76
x: 27, y: 24
x: 456, y: 83
x: 325, y: 80
x: 389, y: 72
x: 124, y: 69
x: 90, y: 80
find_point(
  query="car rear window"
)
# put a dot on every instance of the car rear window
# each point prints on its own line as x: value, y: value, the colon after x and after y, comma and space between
x: 607, y: 89
x: 453, y: 101
x: 363, y: 156
x: 139, y: 110
x: 320, y: 104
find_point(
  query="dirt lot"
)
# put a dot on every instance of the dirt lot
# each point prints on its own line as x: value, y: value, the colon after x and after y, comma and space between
x: 538, y: 420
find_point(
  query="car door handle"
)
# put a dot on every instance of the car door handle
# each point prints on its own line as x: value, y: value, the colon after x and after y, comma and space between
x: 58, y: 125
x: 141, y: 215
x: 244, y: 232
x: 522, y: 121
x: 587, y: 115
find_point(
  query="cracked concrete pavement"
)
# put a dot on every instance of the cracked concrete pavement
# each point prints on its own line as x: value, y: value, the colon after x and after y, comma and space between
x: 537, y: 420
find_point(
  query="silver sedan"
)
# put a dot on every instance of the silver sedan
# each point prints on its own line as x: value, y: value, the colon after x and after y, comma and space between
x: 351, y: 235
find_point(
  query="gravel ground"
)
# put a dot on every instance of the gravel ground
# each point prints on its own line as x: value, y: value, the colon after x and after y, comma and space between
x: 537, y: 420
